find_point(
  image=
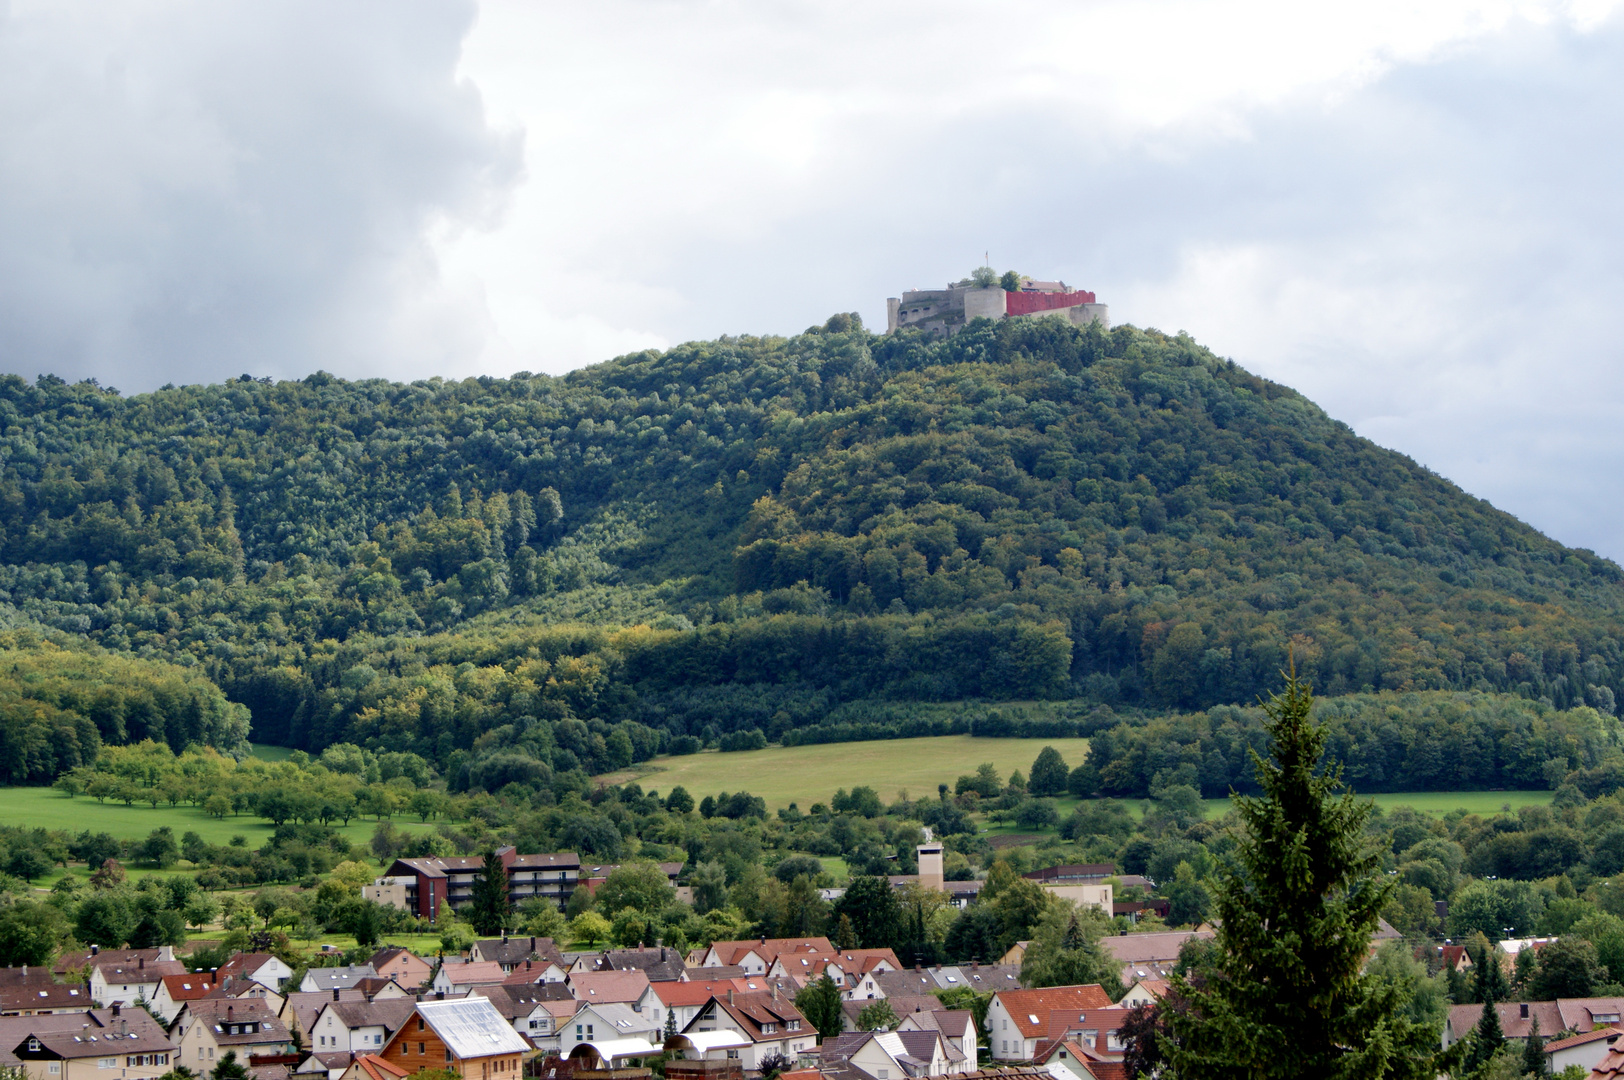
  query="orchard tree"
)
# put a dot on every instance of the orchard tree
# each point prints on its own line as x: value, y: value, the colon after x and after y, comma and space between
x: 1049, y: 773
x: 871, y: 905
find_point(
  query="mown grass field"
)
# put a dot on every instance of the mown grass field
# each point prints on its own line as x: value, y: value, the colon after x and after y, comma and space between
x: 40, y: 807
x: 809, y: 774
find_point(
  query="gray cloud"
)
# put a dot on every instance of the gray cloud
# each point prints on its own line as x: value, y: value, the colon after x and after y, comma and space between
x: 193, y: 190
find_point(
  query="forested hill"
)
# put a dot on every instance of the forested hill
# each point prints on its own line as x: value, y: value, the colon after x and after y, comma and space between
x: 769, y: 533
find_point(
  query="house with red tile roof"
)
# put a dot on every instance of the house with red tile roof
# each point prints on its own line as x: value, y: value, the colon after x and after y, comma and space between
x: 33, y: 991
x: 459, y: 977
x: 263, y: 968
x: 768, y: 1023
x: 612, y: 987
x: 1093, y: 1029
x: 1149, y: 956
x: 130, y: 984
x: 756, y: 957
x: 1447, y: 957
x: 1586, y: 1050
x: 174, y: 991
x: 536, y: 971
x: 207, y: 1030
x: 686, y: 999
x: 851, y: 969
x: 373, y: 1067
x: 87, y: 1043
x: 1145, y: 992
x: 1610, y: 1067
x: 73, y: 960
x: 1080, y: 1060
x: 402, y: 965
x: 1018, y: 1020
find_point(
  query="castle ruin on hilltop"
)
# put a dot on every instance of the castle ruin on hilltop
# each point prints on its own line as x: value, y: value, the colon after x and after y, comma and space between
x: 947, y: 311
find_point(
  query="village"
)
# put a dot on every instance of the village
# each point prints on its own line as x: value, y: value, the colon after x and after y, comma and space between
x: 799, y: 1008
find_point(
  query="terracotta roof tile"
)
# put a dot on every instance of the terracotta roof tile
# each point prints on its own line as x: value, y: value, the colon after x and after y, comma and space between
x: 1030, y: 1008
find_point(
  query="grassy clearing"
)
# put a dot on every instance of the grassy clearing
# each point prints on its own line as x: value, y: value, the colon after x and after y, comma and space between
x: 47, y: 808
x: 810, y: 774
x: 267, y: 752
x: 1486, y: 803
x: 1435, y: 803
x: 836, y: 866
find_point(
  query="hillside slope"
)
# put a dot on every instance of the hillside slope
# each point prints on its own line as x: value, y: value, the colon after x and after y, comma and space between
x: 1025, y: 511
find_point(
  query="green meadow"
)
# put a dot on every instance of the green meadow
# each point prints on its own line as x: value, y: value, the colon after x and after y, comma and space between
x: 41, y: 807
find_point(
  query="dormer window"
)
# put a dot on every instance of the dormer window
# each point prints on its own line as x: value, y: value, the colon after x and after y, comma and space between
x: 33, y: 1046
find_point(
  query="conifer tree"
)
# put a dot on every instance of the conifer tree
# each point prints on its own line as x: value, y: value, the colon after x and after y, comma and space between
x: 1489, y: 1038
x: 1534, y: 1063
x: 490, y: 908
x: 819, y: 1002
x: 229, y: 1068
x: 1297, y: 905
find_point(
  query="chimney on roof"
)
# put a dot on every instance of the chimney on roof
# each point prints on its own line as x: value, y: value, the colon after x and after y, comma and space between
x: 764, y: 939
x: 229, y: 1008
x: 504, y: 937
x: 730, y: 995
x: 335, y: 993
x: 532, y: 943
x: 1525, y: 1010
x: 141, y: 963
x: 439, y: 995
x: 94, y: 949
x: 115, y: 1009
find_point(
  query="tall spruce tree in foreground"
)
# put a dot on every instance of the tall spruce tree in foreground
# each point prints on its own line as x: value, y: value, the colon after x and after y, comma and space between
x: 1297, y: 905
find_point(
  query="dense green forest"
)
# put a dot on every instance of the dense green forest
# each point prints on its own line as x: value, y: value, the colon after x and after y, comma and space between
x: 807, y: 538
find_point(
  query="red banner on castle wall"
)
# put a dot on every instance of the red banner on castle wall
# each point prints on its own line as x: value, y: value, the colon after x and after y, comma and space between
x: 1027, y: 303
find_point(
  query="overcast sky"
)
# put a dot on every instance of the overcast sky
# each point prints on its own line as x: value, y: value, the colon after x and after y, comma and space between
x: 1409, y: 212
